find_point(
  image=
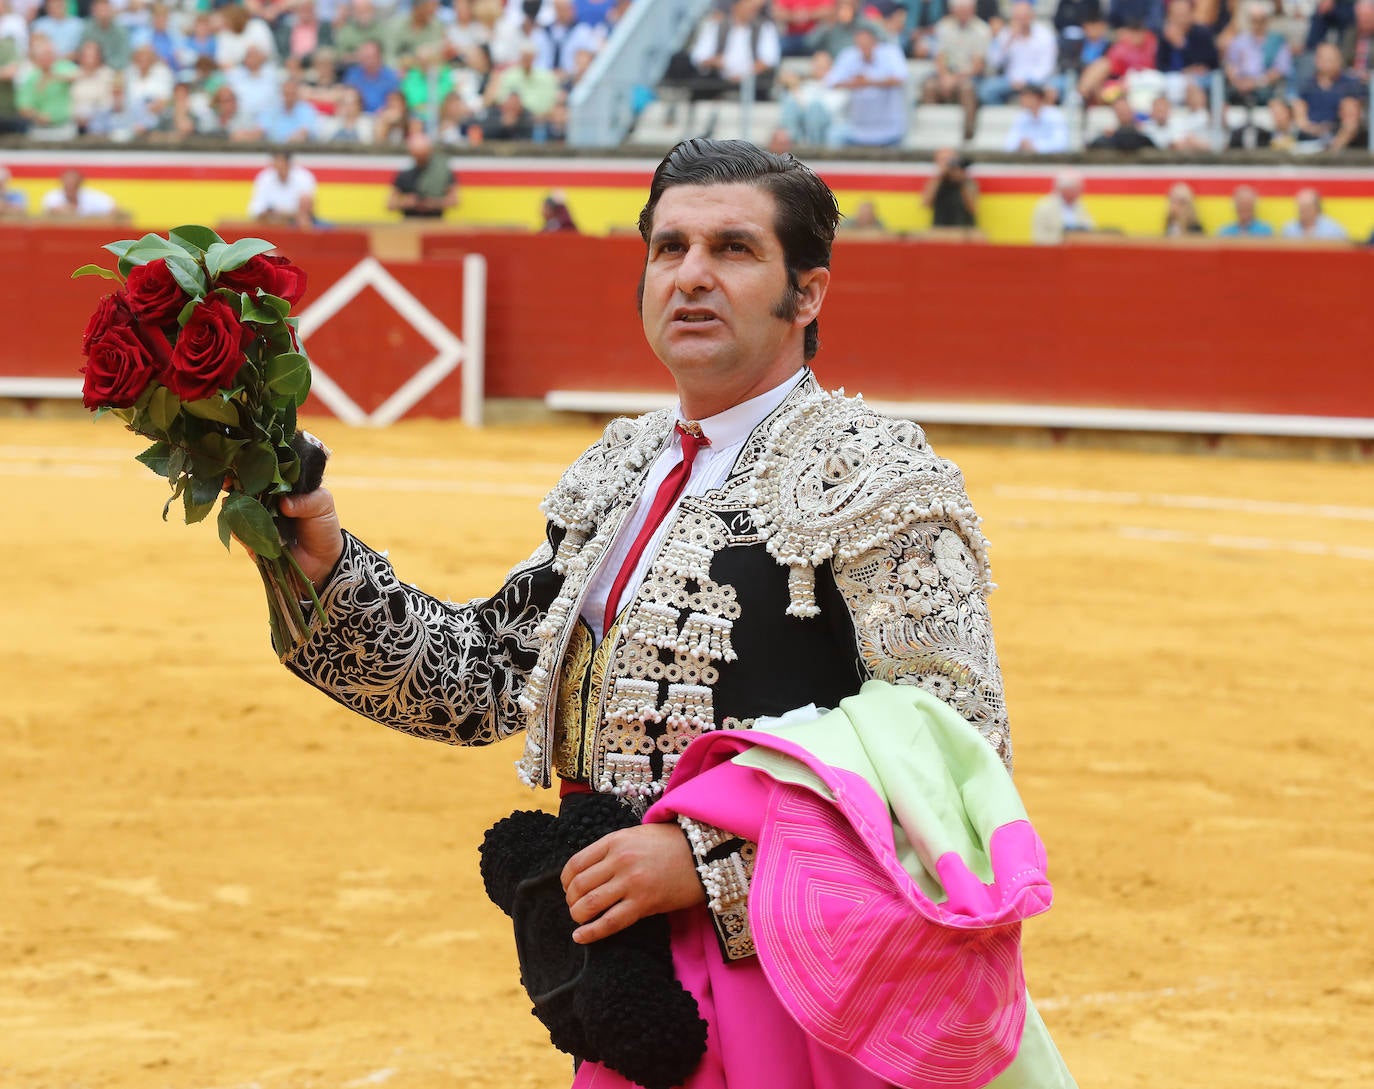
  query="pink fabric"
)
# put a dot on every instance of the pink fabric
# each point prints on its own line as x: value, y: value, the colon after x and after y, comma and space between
x: 753, y: 1042
x: 861, y: 980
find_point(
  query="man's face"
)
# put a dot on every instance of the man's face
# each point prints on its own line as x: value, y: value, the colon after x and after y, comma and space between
x: 1245, y: 205
x: 864, y: 41
x: 1160, y: 111
x: 715, y: 282
x: 1022, y: 15
x: 1308, y: 207
x: 1328, y: 60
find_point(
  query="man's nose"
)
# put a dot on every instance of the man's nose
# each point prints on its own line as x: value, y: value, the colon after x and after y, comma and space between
x: 694, y: 271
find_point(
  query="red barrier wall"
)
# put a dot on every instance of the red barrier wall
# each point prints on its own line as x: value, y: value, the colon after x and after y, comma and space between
x: 1225, y: 329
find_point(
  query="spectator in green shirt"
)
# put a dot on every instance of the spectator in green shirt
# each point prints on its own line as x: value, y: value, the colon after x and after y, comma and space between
x: 10, y: 121
x: 44, y: 96
x: 407, y: 32
x: 537, y: 88
x: 112, y: 37
x: 428, y: 81
x: 362, y: 25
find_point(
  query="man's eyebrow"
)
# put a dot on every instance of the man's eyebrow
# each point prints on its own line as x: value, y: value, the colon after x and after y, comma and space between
x: 738, y: 234
x: 726, y: 234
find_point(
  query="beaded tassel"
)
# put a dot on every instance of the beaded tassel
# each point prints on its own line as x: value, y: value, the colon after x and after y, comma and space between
x: 801, y: 591
x: 707, y: 638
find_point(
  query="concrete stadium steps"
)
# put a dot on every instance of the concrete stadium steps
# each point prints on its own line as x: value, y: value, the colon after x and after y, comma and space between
x: 663, y: 124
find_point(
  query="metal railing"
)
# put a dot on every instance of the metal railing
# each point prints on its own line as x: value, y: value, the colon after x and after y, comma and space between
x: 601, y: 110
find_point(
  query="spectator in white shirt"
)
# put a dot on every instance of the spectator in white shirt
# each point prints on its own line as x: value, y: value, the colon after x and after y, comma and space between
x: 147, y: 80
x: 255, y: 83
x: 875, y: 76
x: 810, y: 108
x: 1181, y: 131
x: 72, y: 200
x: 565, y: 38
x: 1024, y: 51
x: 238, y: 33
x: 726, y: 50
x: 1039, y: 128
x: 283, y: 193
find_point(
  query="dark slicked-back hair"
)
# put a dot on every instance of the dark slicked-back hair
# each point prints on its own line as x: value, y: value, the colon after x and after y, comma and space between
x: 806, y: 210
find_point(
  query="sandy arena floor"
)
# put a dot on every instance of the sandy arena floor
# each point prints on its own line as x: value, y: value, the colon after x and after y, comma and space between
x: 211, y: 876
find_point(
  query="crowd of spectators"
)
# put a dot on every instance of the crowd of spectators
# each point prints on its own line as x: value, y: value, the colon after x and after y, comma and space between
x: 296, y: 72
x: 1062, y: 212
x: 374, y: 72
x: 1300, y: 72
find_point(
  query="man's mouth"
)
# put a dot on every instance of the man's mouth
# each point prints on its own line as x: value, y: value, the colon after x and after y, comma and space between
x: 693, y: 316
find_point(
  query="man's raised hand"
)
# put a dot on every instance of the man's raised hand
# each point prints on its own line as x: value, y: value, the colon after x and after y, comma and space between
x: 319, y: 539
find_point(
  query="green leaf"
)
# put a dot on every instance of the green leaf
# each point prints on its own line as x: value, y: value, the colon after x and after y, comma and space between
x: 220, y: 447
x: 256, y: 467
x: 222, y: 525
x: 149, y: 248
x: 188, y: 274
x: 225, y: 258
x: 200, y: 498
x: 194, y: 238
x: 177, y: 461
x: 156, y: 457
x: 95, y: 270
x: 185, y: 314
x: 120, y: 248
x: 233, y: 298
x: 177, y: 489
x: 163, y: 408
x: 288, y: 375
x: 215, y: 408
x: 278, y: 306
x: 248, y: 520
x: 263, y: 315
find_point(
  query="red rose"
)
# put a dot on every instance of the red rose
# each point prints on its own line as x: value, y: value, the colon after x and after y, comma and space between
x: 275, y: 275
x: 154, y: 294
x: 118, y: 368
x: 209, y: 351
x: 112, y: 311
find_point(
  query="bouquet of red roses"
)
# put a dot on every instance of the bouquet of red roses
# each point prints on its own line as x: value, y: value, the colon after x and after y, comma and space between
x: 198, y: 352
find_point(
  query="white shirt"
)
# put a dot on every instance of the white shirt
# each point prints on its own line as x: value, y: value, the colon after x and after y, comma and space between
x: 271, y: 194
x: 89, y: 202
x: 727, y: 431
x: 736, y: 55
x: 1031, y: 59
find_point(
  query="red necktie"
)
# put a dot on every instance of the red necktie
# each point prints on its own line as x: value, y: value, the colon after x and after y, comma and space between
x: 667, y: 494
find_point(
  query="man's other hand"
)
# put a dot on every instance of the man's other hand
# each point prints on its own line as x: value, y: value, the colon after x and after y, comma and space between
x: 627, y: 876
x: 319, y: 540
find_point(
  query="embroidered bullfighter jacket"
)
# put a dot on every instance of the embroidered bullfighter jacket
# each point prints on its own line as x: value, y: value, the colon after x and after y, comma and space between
x: 840, y: 548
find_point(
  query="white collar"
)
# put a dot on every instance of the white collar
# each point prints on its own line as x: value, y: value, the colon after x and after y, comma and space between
x: 732, y: 427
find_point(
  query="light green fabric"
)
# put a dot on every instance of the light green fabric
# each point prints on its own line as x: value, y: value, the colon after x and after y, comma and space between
x: 946, y: 790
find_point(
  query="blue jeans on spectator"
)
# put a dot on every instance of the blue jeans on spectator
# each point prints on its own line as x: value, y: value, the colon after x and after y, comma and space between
x: 794, y: 45
x: 810, y: 125
x: 994, y: 90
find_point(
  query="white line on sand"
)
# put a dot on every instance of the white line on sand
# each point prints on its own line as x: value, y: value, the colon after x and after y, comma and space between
x: 1117, y: 998
x: 1245, y: 544
x: 1236, y: 504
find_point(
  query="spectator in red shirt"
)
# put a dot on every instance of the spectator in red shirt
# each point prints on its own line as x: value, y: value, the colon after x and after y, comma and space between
x: 1134, y: 50
x: 796, y: 19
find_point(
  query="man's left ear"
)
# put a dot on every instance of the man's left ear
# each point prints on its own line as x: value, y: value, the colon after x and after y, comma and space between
x: 811, y: 288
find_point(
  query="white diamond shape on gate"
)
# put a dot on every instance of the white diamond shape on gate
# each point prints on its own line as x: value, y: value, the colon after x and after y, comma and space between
x: 369, y: 273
